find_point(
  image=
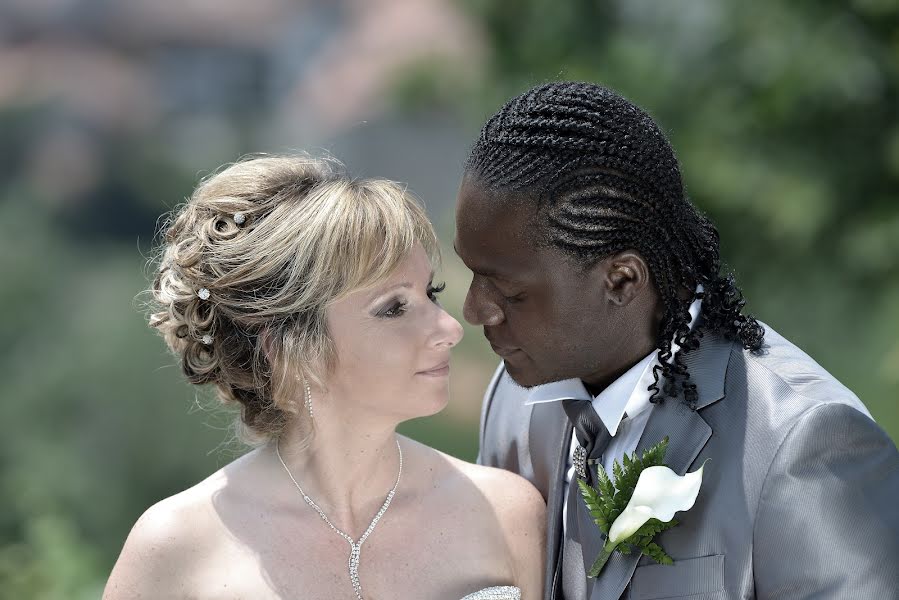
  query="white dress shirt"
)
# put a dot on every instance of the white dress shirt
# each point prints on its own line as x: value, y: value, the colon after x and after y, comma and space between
x: 629, y: 394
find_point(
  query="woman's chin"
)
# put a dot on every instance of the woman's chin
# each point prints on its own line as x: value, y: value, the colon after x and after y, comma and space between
x: 431, y: 404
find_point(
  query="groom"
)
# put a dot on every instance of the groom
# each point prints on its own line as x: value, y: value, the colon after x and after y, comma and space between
x: 600, y: 286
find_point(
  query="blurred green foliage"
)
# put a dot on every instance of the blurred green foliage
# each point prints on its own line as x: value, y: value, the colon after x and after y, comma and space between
x: 783, y: 115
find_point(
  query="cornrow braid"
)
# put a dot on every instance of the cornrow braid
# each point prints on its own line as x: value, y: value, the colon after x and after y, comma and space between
x: 605, y: 180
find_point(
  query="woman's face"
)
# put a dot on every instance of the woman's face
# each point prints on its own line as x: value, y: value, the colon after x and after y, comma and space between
x: 393, y: 345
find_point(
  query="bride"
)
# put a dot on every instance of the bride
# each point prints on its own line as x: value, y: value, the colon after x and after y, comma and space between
x: 307, y: 299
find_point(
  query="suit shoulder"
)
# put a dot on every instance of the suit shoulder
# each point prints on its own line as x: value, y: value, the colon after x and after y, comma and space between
x: 790, y: 373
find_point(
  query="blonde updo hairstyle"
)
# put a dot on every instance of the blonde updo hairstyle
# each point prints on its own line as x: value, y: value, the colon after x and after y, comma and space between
x: 305, y: 235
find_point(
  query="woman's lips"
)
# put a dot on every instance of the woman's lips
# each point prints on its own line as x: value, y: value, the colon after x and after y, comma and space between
x: 441, y: 370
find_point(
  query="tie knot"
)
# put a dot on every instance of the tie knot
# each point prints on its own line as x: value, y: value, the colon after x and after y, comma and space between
x: 591, y: 433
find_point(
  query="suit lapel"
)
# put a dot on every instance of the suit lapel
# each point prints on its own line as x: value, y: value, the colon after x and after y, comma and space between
x: 549, y: 437
x: 687, y: 434
x: 591, y: 540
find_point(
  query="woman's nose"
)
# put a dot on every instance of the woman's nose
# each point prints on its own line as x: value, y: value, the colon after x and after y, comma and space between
x: 450, y: 330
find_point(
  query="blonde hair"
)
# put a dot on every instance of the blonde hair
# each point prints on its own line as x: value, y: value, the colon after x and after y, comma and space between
x: 306, y: 235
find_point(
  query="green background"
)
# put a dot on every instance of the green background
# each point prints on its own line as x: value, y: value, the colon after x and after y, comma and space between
x: 784, y: 116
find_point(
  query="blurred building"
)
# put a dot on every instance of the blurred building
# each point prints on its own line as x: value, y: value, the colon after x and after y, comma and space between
x: 200, y: 82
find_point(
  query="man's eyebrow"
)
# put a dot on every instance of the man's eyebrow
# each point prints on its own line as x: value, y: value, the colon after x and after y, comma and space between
x: 492, y: 274
x: 485, y: 272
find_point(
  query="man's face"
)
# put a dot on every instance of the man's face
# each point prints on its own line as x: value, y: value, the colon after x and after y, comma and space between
x: 548, y: 318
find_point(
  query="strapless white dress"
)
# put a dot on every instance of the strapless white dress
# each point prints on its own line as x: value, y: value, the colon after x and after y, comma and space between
x: 502, y: 592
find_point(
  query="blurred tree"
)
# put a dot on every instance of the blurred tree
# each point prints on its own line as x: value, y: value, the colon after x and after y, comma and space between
x: 52, y: 563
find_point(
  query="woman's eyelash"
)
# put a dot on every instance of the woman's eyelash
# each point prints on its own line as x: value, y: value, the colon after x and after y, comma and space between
x: 395, y: 310
x: 398, y: 308
x: 433, y: 290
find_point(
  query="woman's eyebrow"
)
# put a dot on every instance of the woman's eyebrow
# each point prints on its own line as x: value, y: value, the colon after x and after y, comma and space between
x: 403, y: 284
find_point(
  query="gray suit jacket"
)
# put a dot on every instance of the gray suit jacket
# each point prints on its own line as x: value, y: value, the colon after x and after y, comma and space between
x: 799, y: 499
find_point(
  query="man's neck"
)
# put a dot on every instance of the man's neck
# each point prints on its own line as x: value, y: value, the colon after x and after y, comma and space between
x: 595, y: 384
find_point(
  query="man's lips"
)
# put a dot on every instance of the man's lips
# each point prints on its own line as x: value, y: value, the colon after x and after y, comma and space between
x: 437, y: 371
x: 504, y: 352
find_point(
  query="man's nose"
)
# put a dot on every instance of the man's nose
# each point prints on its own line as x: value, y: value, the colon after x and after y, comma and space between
x: 479, y: 309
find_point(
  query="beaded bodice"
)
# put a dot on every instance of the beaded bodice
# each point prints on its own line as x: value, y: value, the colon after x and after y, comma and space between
x: 504, y: 592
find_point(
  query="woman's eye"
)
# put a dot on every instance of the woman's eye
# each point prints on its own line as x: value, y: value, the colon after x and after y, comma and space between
x: 399, y: 307
x: 434, y: 290
x: 395, y: 310
x: 515, y: 298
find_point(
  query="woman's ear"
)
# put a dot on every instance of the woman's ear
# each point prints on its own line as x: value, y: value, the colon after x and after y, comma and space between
x: 287, y: 385
x: 270, y: 347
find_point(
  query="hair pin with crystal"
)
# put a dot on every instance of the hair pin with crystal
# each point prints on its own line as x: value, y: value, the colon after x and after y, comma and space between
x: 240, y: 218
x: 206, y: 339
x: 203, y: 293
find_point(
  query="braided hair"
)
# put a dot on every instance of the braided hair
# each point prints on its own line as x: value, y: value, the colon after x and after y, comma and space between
x: 605, y: 180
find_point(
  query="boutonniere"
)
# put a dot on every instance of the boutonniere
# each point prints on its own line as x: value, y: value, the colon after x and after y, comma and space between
x: 639, y: 505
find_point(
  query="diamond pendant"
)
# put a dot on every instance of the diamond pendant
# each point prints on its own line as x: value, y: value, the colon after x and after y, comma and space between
x: 355, y: 554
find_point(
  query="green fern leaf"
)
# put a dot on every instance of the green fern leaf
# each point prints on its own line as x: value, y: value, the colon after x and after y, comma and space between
x: 595, y: 505
x: 591, y: 497
x: 653, y: 527
x: 655, y: 456
x: 614, y: 513
x: 618, y: 473
x: 605, y: 486
x: 656, y: 553
x: 625, y: 491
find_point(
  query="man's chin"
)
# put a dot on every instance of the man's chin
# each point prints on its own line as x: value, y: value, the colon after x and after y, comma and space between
x: 528, y: 378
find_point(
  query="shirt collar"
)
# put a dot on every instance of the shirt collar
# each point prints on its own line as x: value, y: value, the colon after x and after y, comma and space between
x: 624, y: 395
x: 629, y: 394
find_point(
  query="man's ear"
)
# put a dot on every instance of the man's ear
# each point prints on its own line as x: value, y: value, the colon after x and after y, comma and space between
x: 625, y: 276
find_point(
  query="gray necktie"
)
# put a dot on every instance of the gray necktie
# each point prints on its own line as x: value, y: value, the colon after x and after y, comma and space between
x: 583, y: 540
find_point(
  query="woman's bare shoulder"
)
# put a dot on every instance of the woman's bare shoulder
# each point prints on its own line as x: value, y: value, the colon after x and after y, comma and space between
x: 521, y: 513
x: 510, y: 495
x: 169, y: 539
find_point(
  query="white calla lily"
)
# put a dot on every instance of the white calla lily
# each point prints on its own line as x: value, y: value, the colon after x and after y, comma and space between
x: 659, y: 493
x: 654, y: 491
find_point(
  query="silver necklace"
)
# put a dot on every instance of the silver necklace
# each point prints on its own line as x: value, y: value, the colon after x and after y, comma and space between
x: 355, y: 546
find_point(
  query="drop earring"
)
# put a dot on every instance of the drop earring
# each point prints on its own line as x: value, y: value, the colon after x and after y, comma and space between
x: 309, y: 401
